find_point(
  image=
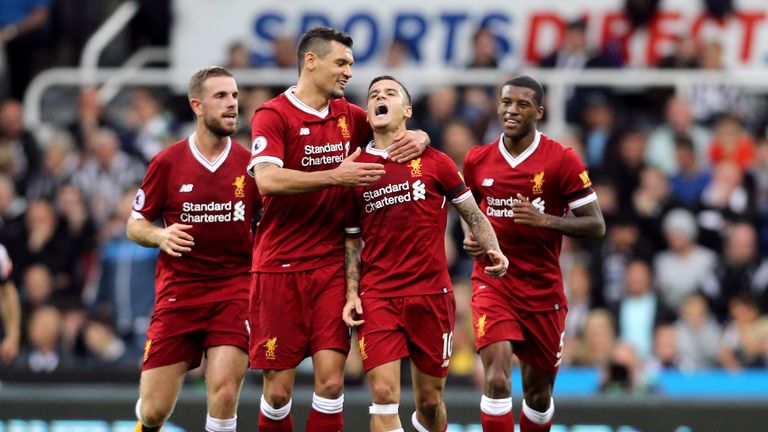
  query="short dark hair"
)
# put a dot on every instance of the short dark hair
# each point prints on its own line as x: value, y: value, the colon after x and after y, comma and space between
x: 197, y: 81
x: 316, y: 40
x: 391, y: 78
x: 527, y: 82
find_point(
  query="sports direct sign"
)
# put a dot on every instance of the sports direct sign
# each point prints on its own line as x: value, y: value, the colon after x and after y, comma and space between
x: 439, y: 32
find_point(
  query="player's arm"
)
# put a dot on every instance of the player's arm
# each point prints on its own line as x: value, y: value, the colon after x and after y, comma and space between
x: 587, y: 221
x: 353, y: 308
x: 408, y: 145
x: 10, y: 309
x: 172, y: 240
x: 273, y: 180
x: 476, y: 224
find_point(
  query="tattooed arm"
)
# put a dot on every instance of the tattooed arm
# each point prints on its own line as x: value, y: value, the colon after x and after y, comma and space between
x: 353, y: 308
x: 482, y: 232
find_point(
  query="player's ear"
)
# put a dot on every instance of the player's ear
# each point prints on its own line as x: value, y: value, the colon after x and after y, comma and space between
x: 540, y: 112
x: 196, y: 105
x: 408, y: 111
x: 310, y: 60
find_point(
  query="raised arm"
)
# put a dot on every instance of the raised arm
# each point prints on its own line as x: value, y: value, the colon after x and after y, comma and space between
x: 273, y: 180
x: 482, y: 233
x: 587, y: 222
x: 353, y: 308
x: 172, y: 240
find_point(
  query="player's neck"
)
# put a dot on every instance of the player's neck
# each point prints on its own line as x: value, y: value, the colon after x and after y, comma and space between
x: 516, y: 146
x: 311, y: 96
x: 210, y: 145
x: 383, y: 138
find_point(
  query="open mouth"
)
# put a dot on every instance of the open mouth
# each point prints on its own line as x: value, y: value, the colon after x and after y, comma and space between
x: 380, y: 110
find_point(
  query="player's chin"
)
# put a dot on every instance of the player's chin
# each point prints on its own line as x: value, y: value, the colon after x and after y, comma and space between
x: 337, y: 92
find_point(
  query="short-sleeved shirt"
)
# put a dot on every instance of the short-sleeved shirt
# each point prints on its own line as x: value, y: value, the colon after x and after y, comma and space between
x: 304, y: 231
x: 402, y: 218
x: 554, y: 180
x: 219, y: 200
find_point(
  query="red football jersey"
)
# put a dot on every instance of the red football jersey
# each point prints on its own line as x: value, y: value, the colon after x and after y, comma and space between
x: 218, y: 200
x: 554, y: 179
x: 304, y: 231
x: 402, y: 218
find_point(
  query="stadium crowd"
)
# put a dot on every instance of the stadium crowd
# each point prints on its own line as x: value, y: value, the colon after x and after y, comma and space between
x: 680, y: 280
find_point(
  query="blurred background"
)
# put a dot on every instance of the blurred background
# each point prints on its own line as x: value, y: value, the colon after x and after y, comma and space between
x: 665, y: 101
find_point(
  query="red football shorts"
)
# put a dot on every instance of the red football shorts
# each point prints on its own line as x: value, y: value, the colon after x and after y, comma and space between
x: 183, y: 334
x: 417, y: 326
x: 294, y: 315
x: 537, y: 336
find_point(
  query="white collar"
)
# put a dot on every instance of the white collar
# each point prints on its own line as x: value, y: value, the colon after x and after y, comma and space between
x: 515, y: 161
x: 304, y: 107
x: 210, y: 166
x: 371, y: 149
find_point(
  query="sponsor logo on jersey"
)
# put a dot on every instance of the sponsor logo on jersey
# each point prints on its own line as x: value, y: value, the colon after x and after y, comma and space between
x: 270, y: 348
x: 502, y: 207
x: 481, y: 325
x: 139, y: 200
x: 584, y: 176
x: 147, y: 346
x: 303, y: 131
x: 415, y: 167
x: 229, y: 211
x: 344, y: 128
x: 538, y: 183
x: 394, y: 193
x: 419, y: 190
x: 258, y: 145
x: 326, y: 154
x: 187, y: 187
x: 239, y: 185
x: 361, y: 345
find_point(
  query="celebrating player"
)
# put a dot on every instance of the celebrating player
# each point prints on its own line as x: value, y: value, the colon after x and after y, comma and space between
x: 525, y: 183
x: 305, y: 142
x: 405, y: 305
x: 198, y: 188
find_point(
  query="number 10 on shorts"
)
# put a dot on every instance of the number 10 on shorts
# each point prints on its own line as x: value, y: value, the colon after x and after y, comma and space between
x: 447, y: 345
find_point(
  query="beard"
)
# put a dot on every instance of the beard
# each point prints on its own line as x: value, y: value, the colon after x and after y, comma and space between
x: 214, y: 125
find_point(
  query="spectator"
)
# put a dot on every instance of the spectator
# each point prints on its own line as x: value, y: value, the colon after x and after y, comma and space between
x: 595, y: 345
x: 683, y: 56
x: 678, y: 121
x: 435, y: 110
x: 625, y: 163
x: 709, y: 101
x: 641, y: 310
x: 623, y: 374
x: 684, y: 265
x: 690, y: 180
x: 484, y: 50
x: 666, y: 352
x: 238, y: 56
x: 725, y: 198
x: 43, y: 353
x: 60, y: 161
x: 600, y: 133
x: 19, y: 151
x: 740, y: 347
x: 732, y: 143
x: 696, y: 331
x: 106, y: 174
x: 151, y: 125
x: 12, y: 208
x: 89, y: 118
x: 651, y: 201
x: 23, y: 37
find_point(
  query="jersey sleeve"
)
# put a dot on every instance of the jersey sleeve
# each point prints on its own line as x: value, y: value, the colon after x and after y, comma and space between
x: 150, y: 199
x: 575, y: 185
x: 6, y: 265
x: 450, y: 180
x: 352, y: 212
x: 267, y: 138
x: 361, y: 130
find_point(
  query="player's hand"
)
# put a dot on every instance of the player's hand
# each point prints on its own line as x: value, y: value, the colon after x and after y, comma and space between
x: 352, y: 310
x: 525, y: 213
x: 472, y: 247
x: 408, y: 145
x: 352, y: 174
x: 175, y: 241
x: 499, y: 264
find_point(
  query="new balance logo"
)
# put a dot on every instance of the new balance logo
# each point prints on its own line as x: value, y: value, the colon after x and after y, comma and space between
x: 488, y: 182
x: 303, y: 131
x: 419, y: 190
x: 186, y: 187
